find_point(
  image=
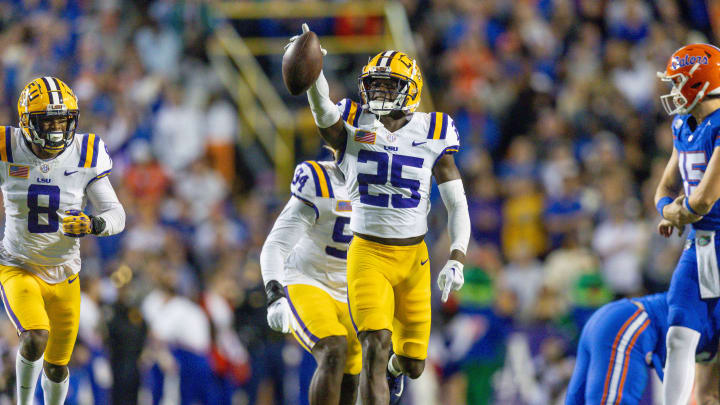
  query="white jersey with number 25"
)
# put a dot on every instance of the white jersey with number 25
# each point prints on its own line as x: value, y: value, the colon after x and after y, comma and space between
x: 388, y: 174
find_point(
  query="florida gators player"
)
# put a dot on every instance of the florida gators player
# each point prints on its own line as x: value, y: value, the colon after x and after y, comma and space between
x: 694, y: 71
x: 388, y: 154
x: 303, y: 263
x: 622, y: 340
x: 46, y: 174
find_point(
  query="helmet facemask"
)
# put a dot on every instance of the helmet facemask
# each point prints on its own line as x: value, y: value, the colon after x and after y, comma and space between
x: 384, y: 93
x: 50, y: 140
x: 675, y: 102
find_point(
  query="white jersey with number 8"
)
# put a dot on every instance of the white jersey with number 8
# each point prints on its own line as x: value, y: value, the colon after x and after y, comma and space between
x: 36, y: 194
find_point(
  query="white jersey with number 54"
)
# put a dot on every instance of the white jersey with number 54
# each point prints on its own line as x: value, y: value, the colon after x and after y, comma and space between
x: 388, y: 174
x: 319, y: 257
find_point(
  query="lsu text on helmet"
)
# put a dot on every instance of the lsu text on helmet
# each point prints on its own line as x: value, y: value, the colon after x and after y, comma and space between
x: 694, y: 71
x: 402, y: 81
x: 42, y: 101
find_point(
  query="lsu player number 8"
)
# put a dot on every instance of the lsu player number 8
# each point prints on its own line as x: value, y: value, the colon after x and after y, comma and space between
x: 47, y: 172
x: 389, y: 153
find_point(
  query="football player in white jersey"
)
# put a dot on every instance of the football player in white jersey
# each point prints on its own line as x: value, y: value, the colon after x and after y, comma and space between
x: 47, y: 172
x: 303, y: 263
x: 388, y: 154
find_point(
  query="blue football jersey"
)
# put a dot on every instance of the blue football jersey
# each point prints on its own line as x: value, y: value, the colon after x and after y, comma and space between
x: 656, y: 307
x: 695, y: 147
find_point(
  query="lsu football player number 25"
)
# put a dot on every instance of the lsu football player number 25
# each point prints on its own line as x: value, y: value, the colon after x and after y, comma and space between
x: 46, y: 173
x: 388, y: 153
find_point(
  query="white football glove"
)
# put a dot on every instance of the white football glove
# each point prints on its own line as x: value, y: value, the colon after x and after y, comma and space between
x: 279, y: 316
x: 292, y: 39
x: 451, y: 278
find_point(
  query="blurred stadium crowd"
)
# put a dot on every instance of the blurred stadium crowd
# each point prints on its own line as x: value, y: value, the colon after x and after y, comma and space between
x: 563, y: 142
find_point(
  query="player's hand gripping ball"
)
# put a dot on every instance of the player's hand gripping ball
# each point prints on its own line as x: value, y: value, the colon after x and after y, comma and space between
x: 76, y: 224
x: 302, y: 61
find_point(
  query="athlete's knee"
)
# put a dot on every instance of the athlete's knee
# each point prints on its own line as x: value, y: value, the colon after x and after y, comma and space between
x: 412, y: 368
x: 375, y: 346
x: 330, y: 353
x: 33, y: 343
x: 375, y: 341
x: 55, y: 373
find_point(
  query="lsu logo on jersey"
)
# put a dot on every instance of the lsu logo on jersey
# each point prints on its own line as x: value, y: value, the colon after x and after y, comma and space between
x: 364, y: 136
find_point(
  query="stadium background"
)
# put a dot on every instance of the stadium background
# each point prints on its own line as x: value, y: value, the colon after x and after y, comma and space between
x: 562, y: 142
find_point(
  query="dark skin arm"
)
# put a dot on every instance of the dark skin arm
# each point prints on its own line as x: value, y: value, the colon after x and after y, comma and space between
x: 335, y: 135
x: 446, y: 170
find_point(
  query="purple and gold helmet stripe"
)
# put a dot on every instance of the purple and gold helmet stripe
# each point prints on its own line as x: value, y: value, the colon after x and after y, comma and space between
x: 51, y: 90
x: 59, y: 89
x: 385, y: 60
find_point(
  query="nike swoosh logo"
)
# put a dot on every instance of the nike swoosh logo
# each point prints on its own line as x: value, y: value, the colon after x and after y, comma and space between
x: 422, y: 263
x: 71, y: 281
x: 67, y: 173
x: 418, y: 143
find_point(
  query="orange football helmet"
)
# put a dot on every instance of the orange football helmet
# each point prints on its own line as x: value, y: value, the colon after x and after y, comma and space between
x: 694, y: 71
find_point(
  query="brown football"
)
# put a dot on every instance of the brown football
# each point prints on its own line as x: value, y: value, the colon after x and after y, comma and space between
x: 302, y: 63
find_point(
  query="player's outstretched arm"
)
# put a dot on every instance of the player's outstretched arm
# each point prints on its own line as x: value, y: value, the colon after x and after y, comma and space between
x: 707, y: 389
x: 293, y: 222
x: 453, y: 195
x: 327, y: 117
x: 326, y: 114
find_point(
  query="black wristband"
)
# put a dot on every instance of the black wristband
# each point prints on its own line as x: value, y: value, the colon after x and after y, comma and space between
x: 97, y: 225
x: 274, y: 291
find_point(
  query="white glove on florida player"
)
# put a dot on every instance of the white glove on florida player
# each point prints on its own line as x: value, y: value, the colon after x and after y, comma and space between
x: 279, y: 316
x: 451, y: 278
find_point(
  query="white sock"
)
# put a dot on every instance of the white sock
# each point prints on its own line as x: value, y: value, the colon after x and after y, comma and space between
x: 391, y: 367
x: 681, y: 344
x: 54, y: 393
x: 27, y: 373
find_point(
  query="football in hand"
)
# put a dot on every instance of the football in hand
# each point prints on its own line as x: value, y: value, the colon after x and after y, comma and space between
x: 302, y: 63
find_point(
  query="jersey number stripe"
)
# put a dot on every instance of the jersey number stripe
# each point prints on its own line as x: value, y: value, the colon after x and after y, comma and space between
x: 35, y: 209
x: 692, y: 167
x: 396, y: 180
